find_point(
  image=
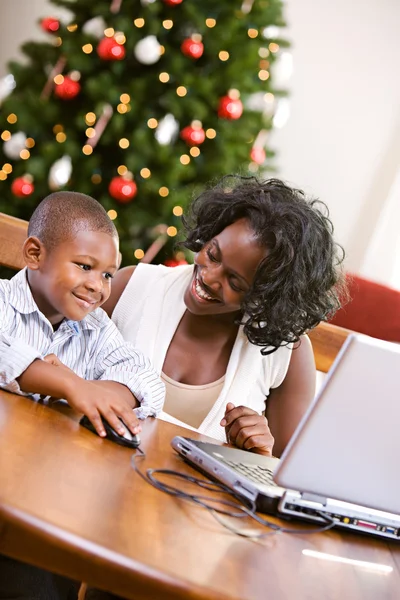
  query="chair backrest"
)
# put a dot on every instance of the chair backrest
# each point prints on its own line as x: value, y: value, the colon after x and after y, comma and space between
x: 326, y: 340
x: 13, y: 233
x: 374, y: 309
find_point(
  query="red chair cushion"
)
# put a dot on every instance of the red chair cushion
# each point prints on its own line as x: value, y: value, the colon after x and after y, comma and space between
x: 374, y: 309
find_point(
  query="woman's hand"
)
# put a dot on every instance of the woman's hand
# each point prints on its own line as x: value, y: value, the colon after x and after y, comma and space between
x: 248, y: 430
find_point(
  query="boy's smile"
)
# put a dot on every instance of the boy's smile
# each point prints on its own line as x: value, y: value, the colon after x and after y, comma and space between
x: 72, y: 279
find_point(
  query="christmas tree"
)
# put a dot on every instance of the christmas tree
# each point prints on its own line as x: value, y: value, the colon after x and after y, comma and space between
x: 139, y: 103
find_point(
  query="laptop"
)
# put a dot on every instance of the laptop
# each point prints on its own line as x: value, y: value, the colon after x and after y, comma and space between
x: 342, y: 460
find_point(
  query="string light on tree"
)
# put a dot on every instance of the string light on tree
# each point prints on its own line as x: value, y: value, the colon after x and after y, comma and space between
x: 177, y: 211
x: 122, y: 189
x: 138, y: 253
x: 193, y: 134
x: 230, y: 107
x: 112, y: 214
x: 193, y: 46
x: 22, y: 186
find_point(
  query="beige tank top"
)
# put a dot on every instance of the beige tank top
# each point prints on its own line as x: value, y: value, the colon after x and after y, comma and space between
x: 190, y: 403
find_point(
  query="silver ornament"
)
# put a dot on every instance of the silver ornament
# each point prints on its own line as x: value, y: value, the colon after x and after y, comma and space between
x: 7, y: 84
x: 14, y: 145
x: 147, y: 50
x: 167, y: 130
x: 60, y: 172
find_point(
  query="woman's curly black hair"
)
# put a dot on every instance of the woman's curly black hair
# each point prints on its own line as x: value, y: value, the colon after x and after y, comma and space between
x: 300, y: 282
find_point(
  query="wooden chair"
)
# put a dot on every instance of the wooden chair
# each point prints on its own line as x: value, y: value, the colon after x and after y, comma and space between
x: 13, y: 233
x: 326, y: 340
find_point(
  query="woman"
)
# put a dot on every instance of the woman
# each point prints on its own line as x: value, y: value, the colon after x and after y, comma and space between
x: 227, y: 333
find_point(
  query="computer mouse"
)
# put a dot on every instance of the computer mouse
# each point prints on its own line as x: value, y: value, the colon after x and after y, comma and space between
x: 128, y: 439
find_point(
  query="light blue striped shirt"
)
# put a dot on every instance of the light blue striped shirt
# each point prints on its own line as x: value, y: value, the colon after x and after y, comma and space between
x: 93, y: 348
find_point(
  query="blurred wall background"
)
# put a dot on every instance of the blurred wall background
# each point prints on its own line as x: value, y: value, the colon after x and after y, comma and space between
x: 342, y: 140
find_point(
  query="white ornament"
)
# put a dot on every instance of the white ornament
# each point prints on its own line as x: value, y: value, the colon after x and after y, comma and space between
x: 167, y: 130
x: 14, y: 145
x: 282, y: 113
x: 271, y: 32
x: 60, y: 172
x: 95, y: 27
x: 7, y: 84
x: 282, y: 69
x: 146, y: 2
x: 261, y: 102
x: 147, y: 51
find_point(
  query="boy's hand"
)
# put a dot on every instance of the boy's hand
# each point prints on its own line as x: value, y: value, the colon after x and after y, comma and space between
x: 248, y: 430
x: 52, y: 359
x: 95, y: 401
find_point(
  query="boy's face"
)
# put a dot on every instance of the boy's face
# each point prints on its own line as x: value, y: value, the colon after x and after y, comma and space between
x: 74, y: 278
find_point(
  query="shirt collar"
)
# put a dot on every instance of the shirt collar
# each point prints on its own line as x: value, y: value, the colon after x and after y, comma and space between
x: 20, y: 295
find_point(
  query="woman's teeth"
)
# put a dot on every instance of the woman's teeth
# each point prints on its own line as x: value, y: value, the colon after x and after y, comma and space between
x: 201, y: 292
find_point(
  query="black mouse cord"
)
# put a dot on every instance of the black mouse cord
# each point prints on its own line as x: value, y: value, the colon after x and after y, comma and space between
x: 218, y: 507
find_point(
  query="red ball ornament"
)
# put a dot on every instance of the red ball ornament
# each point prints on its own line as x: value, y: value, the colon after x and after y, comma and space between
x: 173, y: 262
x: 109, y: 49
x: 122, y: 189
x: 258, y: 155
x: 173, y: 2
x: 192, y: 48
x: 230, y: 108
x: 22, y: 186
x: 50, y: 24
x: 68, y: 89
x: 193, y: 135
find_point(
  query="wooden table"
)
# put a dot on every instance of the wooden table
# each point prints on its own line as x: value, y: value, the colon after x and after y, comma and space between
x: 71, y: 502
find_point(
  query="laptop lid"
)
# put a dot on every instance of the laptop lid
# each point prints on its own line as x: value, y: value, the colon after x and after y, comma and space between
x: 347, y: 445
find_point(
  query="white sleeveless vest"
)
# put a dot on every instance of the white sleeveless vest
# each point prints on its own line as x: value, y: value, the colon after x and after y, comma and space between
x: 148, y: 314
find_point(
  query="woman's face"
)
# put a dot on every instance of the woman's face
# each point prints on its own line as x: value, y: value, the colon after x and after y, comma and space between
x: 224, y: 271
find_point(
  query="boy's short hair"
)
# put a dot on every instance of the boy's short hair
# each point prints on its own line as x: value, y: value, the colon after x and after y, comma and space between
x: 61, y: 215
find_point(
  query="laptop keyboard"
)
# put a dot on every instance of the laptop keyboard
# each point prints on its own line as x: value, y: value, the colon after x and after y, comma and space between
x: 255, y: 473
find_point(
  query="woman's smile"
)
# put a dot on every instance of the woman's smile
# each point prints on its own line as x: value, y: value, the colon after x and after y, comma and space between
x: 199, y: 291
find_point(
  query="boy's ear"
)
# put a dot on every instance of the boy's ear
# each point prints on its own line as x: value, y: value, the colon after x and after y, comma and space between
x: 33, y: 252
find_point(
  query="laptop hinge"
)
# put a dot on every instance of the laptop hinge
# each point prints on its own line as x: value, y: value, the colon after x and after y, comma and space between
x: 314, y: 498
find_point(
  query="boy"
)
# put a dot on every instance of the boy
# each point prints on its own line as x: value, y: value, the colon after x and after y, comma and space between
x: 52, y: 308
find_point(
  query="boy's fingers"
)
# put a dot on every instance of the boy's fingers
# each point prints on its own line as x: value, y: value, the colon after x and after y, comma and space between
x: 97, y: 423
x: 131, y: 420
x: 52, y: 359
x: 114, y: 421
